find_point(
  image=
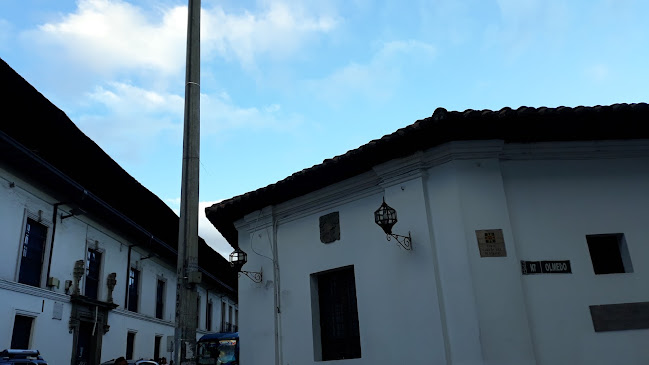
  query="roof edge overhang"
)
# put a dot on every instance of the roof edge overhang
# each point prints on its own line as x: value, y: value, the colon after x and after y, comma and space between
x: 523, y: 125
x: 27, y: 164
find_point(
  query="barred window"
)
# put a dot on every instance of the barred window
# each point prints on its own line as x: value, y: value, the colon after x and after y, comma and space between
x: 133, y: 289
x: 338, y: 315
x: 33, y: 249
x: 93, y: 265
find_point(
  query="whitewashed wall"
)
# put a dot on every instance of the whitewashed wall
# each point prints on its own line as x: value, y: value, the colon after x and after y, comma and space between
x: 256, y: 301
x: 442, y: 302
x: 383, y: 271
x: 72, y: 237
x: 496, y: 281
x: 553, y: 206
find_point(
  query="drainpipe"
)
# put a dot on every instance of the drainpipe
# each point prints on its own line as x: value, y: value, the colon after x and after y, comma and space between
x: 54, y: 220
x: 49, y: 262
x: 278, y: 311
x: 128, y: 275
x: 48, y: 167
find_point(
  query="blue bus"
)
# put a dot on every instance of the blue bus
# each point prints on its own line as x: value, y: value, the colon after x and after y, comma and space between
x: 219, y: 349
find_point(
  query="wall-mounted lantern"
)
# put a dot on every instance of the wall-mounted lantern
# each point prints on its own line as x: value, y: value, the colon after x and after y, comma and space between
x: 238, y: 258
x: 386, y: 218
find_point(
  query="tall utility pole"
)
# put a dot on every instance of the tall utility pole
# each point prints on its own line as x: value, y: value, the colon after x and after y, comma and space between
x: 187, y: 268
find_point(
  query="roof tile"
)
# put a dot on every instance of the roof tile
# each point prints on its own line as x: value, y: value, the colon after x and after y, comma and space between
x: 525, y: 124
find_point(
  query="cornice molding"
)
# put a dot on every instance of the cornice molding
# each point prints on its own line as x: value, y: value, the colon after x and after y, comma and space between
x: 399, y: 170
x: 323, y: 200
x: 367, y: 184
x: 257, y: 220
x: 586, y: 150
x: 461, y: 150
x: 416, y: 165
x: 141, y: 316
x: 32, y: 290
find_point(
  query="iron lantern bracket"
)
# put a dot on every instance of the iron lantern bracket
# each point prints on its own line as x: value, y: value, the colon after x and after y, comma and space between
x: 403, y: 241
x: 252, y: 275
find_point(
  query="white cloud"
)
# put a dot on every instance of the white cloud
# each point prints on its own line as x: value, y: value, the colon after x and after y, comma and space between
x: 406, y: 48
x: 124, y: 98
x: 597, y: 72
x: 211, y: 236
x: 174, y: 204
x: 113, y: 35
x: 206, y: 230
x: 219, y: 113
x: 278, y: 31
x: 145, y: 50
x: 375, y: 80
x: 126, y: 119
x: 5, y: 32
x: 524, y: 24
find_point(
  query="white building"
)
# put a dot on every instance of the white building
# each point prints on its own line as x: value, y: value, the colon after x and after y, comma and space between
x: 67, y: 209
x: 529, y: 245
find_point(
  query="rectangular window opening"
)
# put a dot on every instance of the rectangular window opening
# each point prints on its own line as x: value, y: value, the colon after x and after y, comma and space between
x: 198, y: 312
x: 609, y: 253
x: 22, y: 332
x: 133, y: 289
x: 223, y: 326
x: 93, y: 264
x: 156, y: 348
x: 335, y: 315
x: 230, y: 318
x: 159, y: 299
x: 208, y: 316
x: 130, y: 344
x: 33, y: 251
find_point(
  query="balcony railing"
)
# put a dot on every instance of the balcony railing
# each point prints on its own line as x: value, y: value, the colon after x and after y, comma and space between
x: 226, y: 327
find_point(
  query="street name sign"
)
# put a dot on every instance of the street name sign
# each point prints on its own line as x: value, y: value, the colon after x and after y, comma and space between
x: 546, y: 267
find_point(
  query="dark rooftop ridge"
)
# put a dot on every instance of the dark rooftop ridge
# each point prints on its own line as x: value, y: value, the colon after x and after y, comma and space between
x: 522, y: 125
x: 45, y: 133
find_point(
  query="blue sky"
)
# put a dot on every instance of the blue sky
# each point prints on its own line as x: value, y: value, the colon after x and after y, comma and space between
x: 286, y: 84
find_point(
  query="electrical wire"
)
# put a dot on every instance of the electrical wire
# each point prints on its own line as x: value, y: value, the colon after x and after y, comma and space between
x: 252, y: 238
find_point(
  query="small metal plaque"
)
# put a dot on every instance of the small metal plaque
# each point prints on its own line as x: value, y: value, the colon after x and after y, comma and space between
x: 491, y: 243
x: 57, y: 312
x: 546, y: 267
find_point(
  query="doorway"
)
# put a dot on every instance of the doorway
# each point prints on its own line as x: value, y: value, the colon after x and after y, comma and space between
x: 86, y: 352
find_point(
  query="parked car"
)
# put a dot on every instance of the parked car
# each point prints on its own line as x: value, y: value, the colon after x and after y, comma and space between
x: 131, y: 362
x: 14, y: 356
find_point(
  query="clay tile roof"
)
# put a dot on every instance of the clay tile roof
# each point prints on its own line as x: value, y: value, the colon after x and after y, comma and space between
x: 523, y: 125
x: 32, y: 121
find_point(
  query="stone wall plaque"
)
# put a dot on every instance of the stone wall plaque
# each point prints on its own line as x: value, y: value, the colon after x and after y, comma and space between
x: 491, y: 243
x: 170, y: 343
x: 620, y: 317
x: 329, y: 227
x: 57, y: 312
